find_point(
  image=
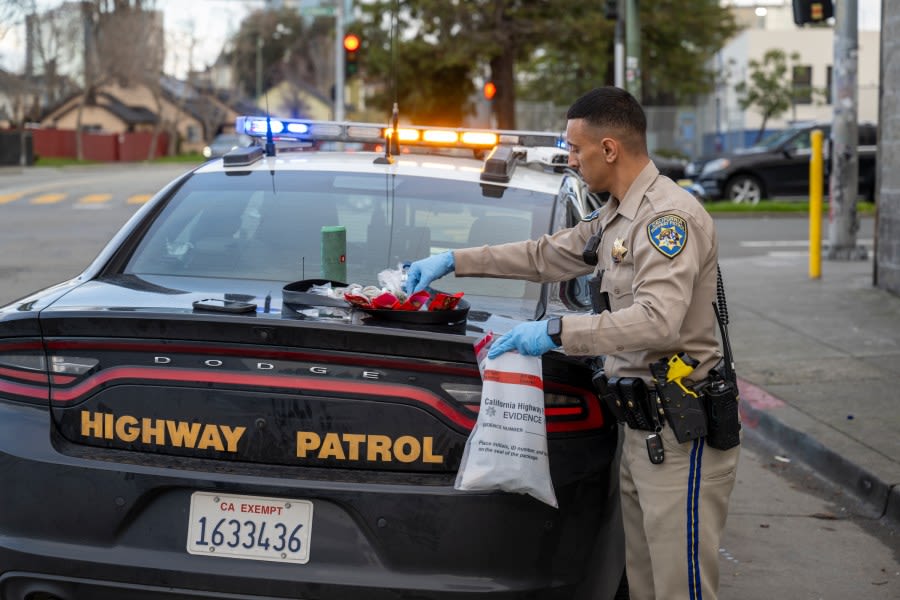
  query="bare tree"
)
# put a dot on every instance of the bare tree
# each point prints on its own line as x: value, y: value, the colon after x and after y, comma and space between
x: 122, y: 45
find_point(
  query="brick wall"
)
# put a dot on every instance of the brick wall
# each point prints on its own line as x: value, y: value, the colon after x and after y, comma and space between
x: 887, y: 234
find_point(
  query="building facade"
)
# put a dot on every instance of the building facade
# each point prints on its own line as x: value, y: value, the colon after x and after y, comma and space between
x: 768, y: 24
x: 887, y: 226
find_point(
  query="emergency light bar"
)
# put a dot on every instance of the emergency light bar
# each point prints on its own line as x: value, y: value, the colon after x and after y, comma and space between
x: 445, y: 137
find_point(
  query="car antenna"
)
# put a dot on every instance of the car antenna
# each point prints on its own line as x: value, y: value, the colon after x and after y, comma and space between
x: 392, y: 134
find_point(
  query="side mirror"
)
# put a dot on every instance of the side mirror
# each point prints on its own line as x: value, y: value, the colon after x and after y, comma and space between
x: 575, y: 293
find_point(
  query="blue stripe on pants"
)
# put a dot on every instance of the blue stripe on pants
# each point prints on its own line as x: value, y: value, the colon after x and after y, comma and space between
x: 693, y: 521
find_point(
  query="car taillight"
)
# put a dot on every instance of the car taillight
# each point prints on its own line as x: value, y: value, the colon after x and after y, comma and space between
x: 23, y: 373
x: 568, y: 408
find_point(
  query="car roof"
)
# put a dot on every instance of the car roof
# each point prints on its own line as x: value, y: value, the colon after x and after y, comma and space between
x: 456, y: 168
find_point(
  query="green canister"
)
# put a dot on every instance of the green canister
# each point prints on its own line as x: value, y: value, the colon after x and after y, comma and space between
x: 334, y: 253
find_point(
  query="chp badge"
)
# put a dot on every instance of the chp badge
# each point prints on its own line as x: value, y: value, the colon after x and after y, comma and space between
x: 668, y: 234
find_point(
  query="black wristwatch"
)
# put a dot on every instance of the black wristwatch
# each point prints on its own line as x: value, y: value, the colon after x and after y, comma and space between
x: 554, y: 330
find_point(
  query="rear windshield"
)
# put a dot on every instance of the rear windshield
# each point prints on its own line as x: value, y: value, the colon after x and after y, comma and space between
x: 262, y: 226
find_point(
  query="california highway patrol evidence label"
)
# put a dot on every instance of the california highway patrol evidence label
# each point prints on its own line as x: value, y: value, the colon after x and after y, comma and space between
x: 668, y: 234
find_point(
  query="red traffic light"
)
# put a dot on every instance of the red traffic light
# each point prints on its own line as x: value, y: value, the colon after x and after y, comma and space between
x: 490, y: 90
x: 351, y: 42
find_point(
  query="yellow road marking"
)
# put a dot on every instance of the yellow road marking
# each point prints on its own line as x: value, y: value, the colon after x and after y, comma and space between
x: 95, y: 199
x: 6, y: 198
x: 48, y: 198
x: 139, y: 198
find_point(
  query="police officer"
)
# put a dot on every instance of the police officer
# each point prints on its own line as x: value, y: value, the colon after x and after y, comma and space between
x: 658, y: 255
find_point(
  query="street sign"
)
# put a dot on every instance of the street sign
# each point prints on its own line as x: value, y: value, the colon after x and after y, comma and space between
x: 316, y: 11
x: 316, y: 8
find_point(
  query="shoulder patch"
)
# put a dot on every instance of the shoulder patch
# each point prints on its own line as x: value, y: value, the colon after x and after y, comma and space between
x: 591, y: 216
x: 668, y: 234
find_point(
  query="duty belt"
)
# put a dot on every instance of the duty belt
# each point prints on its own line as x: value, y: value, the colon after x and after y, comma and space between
x: 707, y: 409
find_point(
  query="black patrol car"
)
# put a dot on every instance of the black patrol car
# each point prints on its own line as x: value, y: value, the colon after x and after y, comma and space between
x: 183, y: 420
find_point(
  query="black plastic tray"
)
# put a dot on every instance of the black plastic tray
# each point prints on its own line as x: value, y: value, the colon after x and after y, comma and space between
x: 297, y: 294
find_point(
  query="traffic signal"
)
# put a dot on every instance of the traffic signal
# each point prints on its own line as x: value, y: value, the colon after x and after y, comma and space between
x: 351, y: 54
x: 490, y: 90
x: 612, y: 10
x: 812, y: 11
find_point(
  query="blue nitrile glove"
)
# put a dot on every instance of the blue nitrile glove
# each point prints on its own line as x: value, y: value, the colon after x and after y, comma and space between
x: 422, y: 272
x: 529, y: 339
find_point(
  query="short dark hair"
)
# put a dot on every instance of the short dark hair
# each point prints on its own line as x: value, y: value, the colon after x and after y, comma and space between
x: 610, y: 107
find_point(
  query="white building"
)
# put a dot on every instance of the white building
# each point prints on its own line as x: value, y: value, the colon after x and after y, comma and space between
x: 769, y: 24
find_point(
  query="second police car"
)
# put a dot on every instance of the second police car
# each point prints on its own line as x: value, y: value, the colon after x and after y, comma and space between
x: 175, y: 423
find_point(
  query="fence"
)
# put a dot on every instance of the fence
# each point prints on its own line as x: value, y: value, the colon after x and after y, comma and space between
x: 671, y: 130
x: 106, y: 147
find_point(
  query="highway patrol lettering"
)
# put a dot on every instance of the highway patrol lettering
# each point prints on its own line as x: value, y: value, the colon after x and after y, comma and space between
x: 161, y: 432
x: 375, y: 448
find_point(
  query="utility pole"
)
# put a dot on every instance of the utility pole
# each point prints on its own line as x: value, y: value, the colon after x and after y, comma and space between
x: 259, y: 68
x: 844, y: 182
x: 339, y: 60
x: 633, y: 49
x: 619, y: 49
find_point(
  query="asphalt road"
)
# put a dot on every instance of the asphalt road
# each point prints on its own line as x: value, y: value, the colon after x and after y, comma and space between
x: 789, y: 534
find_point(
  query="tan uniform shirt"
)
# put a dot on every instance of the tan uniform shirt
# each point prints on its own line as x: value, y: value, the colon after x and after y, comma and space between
x: 661, y: 291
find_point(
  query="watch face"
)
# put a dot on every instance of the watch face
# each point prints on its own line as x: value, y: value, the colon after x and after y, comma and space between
x: 554, y: 329
x: 553, y: 326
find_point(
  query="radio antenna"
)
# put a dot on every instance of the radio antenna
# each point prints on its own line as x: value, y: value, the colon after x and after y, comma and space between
x: 392, y: 134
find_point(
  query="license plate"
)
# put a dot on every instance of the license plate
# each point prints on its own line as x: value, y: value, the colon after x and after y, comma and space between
x: 250, y: 527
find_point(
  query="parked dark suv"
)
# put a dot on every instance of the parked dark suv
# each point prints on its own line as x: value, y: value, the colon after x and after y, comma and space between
x: 779, y: 166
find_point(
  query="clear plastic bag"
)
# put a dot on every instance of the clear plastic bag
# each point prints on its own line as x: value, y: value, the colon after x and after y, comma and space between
x: 393, y: 280
x: 507, y: 449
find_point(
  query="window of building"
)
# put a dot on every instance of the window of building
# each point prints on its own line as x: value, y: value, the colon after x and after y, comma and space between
x: 802, y: 83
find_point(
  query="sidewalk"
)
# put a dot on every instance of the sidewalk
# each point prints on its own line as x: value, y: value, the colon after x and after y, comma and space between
x: 819, y: 362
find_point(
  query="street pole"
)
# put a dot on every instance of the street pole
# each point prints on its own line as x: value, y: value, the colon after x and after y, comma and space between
x: 633, y: 49
x: 259, y: 69
x: 844, y: 183
x: 619, y: 50
x: 339, y: 60
x: 816, y: 180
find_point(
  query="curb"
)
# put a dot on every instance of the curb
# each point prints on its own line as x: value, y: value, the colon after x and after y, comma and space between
x: 882, y: 497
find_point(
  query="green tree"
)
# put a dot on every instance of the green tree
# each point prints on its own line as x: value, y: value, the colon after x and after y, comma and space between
x: 678, y: 40
x: 539, y: 49
x: 427, y: 74
x: 440, y: 47
x: 291, y: 48
x: 770, y: 88
x: 572, y: 59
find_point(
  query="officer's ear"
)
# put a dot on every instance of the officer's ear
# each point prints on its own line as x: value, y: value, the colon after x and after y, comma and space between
x: 610, y: 148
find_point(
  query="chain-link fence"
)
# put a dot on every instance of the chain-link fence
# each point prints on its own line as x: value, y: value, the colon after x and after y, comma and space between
x: 671, y: 131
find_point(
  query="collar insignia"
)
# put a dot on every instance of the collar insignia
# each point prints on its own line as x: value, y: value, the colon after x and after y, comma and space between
x: 668, y: 234
x: 619, y: 250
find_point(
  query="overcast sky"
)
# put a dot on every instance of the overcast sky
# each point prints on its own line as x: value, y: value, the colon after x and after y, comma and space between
x: 208, y: 23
